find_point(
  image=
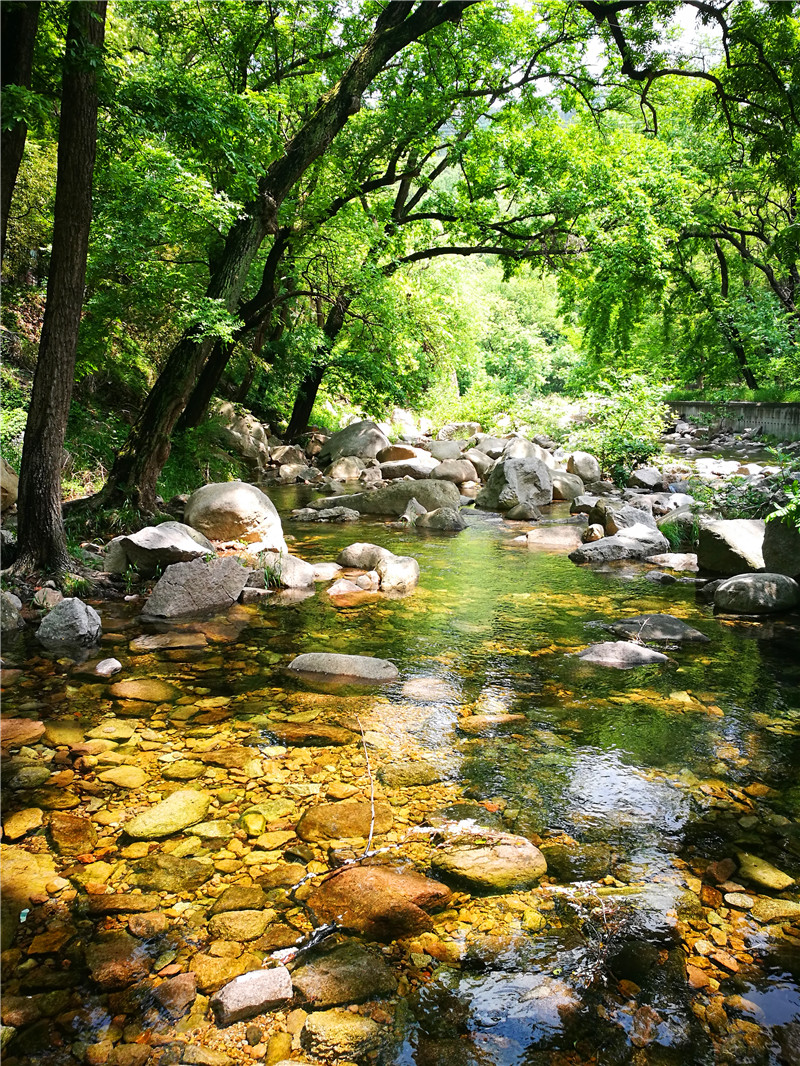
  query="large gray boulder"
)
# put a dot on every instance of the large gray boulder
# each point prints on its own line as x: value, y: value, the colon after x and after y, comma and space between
x: 362, y: 556
x: 442, y: 520
x: 419, y: 467
x: 620, y: 655
x: 198, y: 587
x: 348, y: 468
x: 352, y: 667
x: 646, y: 477
x: 455, y: 470
x: 458, y: 430
x: 10, y: 618
x: 658, y: 628
x: 398, y: 573
x: 156, y: 546
x: 782, y: 548
x: 566, y: 486
x: 362, y: 439
x: 70, y: 623
x: 516, y: 481
x: 731, y: 546
x: 757, y: 594
x: 281, y: 570
x: 635, y: 542
x: 442, y: 450
x: 393, y: 499
x: 492, y: 446
x: 585, y: 466
x: 480, y: 460
x: 234, y: 510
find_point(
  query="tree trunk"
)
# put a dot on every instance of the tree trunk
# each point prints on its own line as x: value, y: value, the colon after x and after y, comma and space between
x: 42, y: 543
x: 137, y: 466
x: 20, y: 22
x: 309, y: 386
x: 198, y: 402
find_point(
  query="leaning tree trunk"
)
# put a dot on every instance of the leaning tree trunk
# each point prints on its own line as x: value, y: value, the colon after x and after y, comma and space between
x: 309, y: 386
x: 42, y: 543
x: 20, y: 22
x: 137, y: 466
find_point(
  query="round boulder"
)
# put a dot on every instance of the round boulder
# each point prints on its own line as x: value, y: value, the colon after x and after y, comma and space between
x: 234, y: 510
x: 757, y: 594
x: 70, y: 623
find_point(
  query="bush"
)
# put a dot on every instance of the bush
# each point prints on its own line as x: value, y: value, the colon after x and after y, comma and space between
x: 622, y: 424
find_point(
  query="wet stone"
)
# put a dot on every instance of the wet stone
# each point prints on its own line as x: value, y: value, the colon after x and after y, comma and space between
x: 584, y: 862
x: 18, y: 823
x: 149, y: 690
x: 17, y: 732
x: 657, y: 628
x: 488, y: 860
x: 148, y: 924
x: 760, y: 872
x: 183, y: 770
x: 348, y: 818
x: 212, y: 972
x: 350, y: 973
x: 408, y: 774
x: 240, y: 925
x: 176, y: 994
x: 335, y: 1034
x: 288, y: 873
x: 116, y: 960
x: 124, y: 776
x: 178, y: 811
x: 71, y: 834
x: 112, y: 729
x: 122, y: 903
x: 251, y: 994
x: 302, y: 735
x: 775, y: 910
x: 166, y: 873
x: 241, y: 898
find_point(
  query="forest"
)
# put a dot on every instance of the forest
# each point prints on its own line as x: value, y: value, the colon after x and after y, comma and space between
x: 468, y: 209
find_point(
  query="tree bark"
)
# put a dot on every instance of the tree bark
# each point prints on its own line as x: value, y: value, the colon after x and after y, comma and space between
x: 20, y: 21
x: 42, y: 542
x: 137, y: 466
x: 309, y: 386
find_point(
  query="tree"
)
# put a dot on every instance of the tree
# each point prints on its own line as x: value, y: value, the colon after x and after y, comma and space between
x: 42, y: 542
x: 20, y: 20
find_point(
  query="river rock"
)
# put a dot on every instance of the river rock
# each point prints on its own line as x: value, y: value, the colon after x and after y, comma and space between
x: 20, y: 732
x: 658, y: 627
x: 250, y: 994
x: 146, y: 689
x: 419, y: 468
x: 10, y: 618
x: 480, y: 460
x: 513, y: 482
x: 380, y: 902
x: 554, y: 538
x: 646, y: 477
x: 18, y: 823
x: 756, y: 594
x: 310, y: 734
x: 731, y: 546
x: 398, y: 573
x: 71, y: 623
x: 338, y: 1035
x: 760, y: 872
x: 71, y: 834
x: 348, y: 974
x: 442, y: 520
x: 489, y: 860
x: 234, y: 510
x: 348, y: 468
x: 354, y: 667
x: 578, y: 862
x: 362, y: 556
x: 169, y: 873
x: 362, y: 439
x: 585, y: 466
x: 240, y: 898
x: 176, y: 994
x: 116, y: 960
x: 775, y: 910
x: 156, y: 546
x: 178, y: 811
x: 396, y: 452
x: 637, y: 542
x: 444, y: 451
x: 393, y: 499
x: 620, y: 654
x: 455, y: 470
x: 284, y: 571
x: 198, y: 587
x: 348, y: 818
x: 212, y: 972
x: 240, y: 926
x: 781, y: 548
x: 458, y: 430
x: 566, y: 486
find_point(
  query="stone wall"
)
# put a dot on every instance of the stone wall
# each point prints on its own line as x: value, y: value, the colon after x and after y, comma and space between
x: 780, y: 420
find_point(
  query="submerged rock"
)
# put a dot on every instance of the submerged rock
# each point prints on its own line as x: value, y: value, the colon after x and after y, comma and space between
x: 178, y: 811
x: 250, y: 994
x: 348, y: 818
x: 489, y: 860
x: 760, y: 872
x: 349, y: 974
x: 335, y: 1035
x: 658, y: 627
x: 442, y: 520
x: 356, y: 667
x: 620, y: 654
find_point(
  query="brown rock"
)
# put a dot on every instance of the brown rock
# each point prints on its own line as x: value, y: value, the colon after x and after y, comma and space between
x: 177, y: 994
x: 300, y: 735
x: 719, y: 872
x: 382, y: 902
x: 17, y: 732
x: 116, y: 960
x: 151, y: 923
x: 212, y: 972
x: 71, y: 834
x: 710, y: 897
x: 149, y: 690
x: 123, y: 903
x: 350, y: 818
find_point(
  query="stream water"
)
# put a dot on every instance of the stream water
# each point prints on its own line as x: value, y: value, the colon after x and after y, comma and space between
x: 635, y: 779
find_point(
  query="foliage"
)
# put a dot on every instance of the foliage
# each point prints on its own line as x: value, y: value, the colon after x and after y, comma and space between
x: 622, y: 424
x: 196, y: 458
x: 788, y: 513
x: 732, y: 498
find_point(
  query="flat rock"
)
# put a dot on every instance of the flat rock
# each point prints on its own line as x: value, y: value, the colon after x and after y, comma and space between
x: 357, y: 667
x: 775, y: 910
x: 149, y: 690
x: 351, y: 973
x: 71, y: 834
x: 578, y: 862
x: 310, y: 735
x: 620, y: 654
x: 212, y: 972
x: 160, y: 641
x: 489, y: 860
x: 337, y: 1035
x: 169, y: 873
x: 658, y: 627
x: 156, y: 546
x: 178, y: 811
x: 393, y: 499
x: 18, y: 823
x: 250, y: 994
x: 731, y: 546
x: 554, y: 538
x: 183, y: 770
x: 20, y: 732
x: 240, y: 898
x: 240, y: 926
x: 177, y: 994
x: 634, y: 542
x: 760, y: 872
x: 348, y: 818
x: 116, y: 960
x: 381, y: 902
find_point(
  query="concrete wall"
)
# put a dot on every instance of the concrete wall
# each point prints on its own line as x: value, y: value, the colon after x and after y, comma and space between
x: 780, y: 420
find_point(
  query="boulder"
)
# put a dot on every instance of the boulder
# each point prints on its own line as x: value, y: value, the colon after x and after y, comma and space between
x: 442, y: 520
x: 444, y: 450
x: 419, y: 468
x: 455, y: 470
x: 781, y: 548
x: 398, y: 573
x: 566, y: 486
x: 156, y: 546
x: 288, y: 455
x: 731, y: 546
x: 10, y: 618
x: 284, y: 571
x: 348, y: 818
x: 646, y: 477
x: 636, y: 542
x: 362, y: 556
x: 658, y: 627
x: 234, y: 510
x: 250, y: 994
x: 396, y: 452
x: 492, y: 446
x: 480, y: 460
x: 620, y: 654
x: 198, y: 587
x: 515, y: 482
x: 458, y: 430
x: 488, y: 860
x: 756, y: 594
x: 348, y: 468
x: 393, y: 499
x: 362, y: 439
x: 350, y: 667
x: 585, y: 466
x: 326, y: 514
x: 380, y: 902
x: 178, y: 811
x: 71, y: 623
x: 9, y: 486
x: 339, y: 1036
x: 615, y: 516
x: 554, y: 538
x: 351, y: 973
